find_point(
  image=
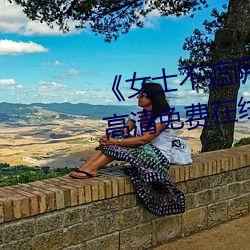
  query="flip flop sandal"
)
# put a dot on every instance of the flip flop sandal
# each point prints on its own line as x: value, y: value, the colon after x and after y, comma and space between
x: 87, y: 175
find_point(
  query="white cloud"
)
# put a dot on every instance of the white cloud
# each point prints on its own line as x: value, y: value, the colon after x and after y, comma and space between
x: 246, y: 93
x: 80, y: 92
x: 50, y: 86
x: 13, y: 20
x: 7, y: 82
x: 73, y: 72
x: 19, y: 86
x: 55, y: 63
x: 177, y: 81
x: 15, y: 48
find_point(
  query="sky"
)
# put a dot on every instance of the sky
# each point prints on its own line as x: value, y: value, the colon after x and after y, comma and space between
x: 40, y: 64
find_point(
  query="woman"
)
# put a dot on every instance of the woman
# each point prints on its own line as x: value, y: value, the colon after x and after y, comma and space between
x: 148, y: 153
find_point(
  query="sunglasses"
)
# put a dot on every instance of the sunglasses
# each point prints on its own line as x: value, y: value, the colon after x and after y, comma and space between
x: 142, y: 95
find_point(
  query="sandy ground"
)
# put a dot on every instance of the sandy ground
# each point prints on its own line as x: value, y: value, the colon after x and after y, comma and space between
x: 233, y: 235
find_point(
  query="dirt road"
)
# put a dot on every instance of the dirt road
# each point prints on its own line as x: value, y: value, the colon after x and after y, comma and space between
x: 233, y: 235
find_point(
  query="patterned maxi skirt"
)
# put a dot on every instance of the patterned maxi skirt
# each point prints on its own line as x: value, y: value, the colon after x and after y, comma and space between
x: 149, y: 173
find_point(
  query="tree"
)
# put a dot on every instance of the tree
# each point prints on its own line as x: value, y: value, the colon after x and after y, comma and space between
x: 232, y: 33
x: 229, y: 44
x: 113, y: 17
x: 108, y: 17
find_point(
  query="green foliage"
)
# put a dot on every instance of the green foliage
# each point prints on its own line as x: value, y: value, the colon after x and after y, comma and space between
x: 23, y: 174
x: 108, y: 17
x: 200, y: 46
x: 242, y: 142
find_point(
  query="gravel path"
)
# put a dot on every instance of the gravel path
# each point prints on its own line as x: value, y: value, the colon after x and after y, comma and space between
x: 233, y: 235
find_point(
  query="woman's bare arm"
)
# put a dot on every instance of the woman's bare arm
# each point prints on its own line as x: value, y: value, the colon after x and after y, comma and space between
x: 135, y: 141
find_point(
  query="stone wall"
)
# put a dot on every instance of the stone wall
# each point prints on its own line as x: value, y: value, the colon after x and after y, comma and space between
x: 105, y: 212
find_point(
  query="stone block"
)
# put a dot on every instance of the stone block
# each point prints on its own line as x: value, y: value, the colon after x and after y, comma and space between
x: 105, y: 224
x: 220, y: 193
x: 225, y: 178
x: 136, y: 238
x: 77, y: 247
x: 18, y: 230
x: 131, y: 217
x: 247, y: 171
x: 238, y: 206
x: 107, y: 242
x: 194, y: 220
x: 80, y: 233
x: 181, y: 186
x: 24, y: 244
x: 190, y: 203
x: 204, y: 198
x: 53, y: 240
x: 74, y: 215
x: 166, y: 228
x: 106, y: 206
x: 49, y: 222
x: 240, y: 174
x: 217, y: 213
x: 245, y: 186
x: 234, y: 189
x: 197, y: 185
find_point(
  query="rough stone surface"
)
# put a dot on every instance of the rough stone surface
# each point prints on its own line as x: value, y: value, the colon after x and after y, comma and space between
x: 240, y: 174
x: 107, y: 242
x: 194, y: 220
x: 220, y: 193
x: 105, y: 224
x: 74, y: 216
x: 18, y: 230
x: 245, y: 186
x: 197, y: 185
x: 190, y: 202
x: 131, y: 217
x: 51, y: 240
x: 50, y: 222
x: 234, y: 189
x: 77, y: 247
x: 115, y: 204
x: 24, y: 244
x: 204, y: 198
x: 123, y: 222
x: 136, y: 238
x: 166, y: 228
x: 238, y: 206
x: 80, y: 233
x: 217, y: 213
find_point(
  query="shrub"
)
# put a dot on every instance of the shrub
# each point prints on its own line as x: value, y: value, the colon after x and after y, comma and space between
x: 242, y: 142
x: 22, y: 174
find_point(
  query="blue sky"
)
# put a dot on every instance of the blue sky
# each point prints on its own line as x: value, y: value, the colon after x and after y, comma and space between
x: 38, y: 64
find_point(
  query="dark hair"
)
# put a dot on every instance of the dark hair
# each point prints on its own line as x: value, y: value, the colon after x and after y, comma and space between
x: 159, y: 101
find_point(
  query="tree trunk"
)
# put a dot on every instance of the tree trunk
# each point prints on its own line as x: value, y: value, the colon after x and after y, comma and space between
x: 229, y: 44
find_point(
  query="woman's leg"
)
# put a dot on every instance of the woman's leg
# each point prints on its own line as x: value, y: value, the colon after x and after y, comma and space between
x: 98, y: 160
x: 92, y: 159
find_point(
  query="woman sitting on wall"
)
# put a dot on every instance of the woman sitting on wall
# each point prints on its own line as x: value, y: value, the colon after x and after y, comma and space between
x: 148, y: 153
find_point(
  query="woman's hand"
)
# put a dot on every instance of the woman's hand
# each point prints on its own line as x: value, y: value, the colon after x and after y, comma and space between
x: 103, y: 142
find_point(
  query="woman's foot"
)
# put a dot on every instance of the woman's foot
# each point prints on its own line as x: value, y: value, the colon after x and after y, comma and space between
x: 83, y: 174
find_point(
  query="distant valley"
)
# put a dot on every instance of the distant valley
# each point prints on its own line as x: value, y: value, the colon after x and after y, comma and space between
x: 65, y: 134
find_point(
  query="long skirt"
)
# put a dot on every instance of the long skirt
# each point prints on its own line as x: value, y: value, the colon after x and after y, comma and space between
x: 149, y: 173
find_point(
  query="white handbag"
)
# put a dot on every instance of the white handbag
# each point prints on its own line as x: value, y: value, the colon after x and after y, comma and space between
x: 180, y: 152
